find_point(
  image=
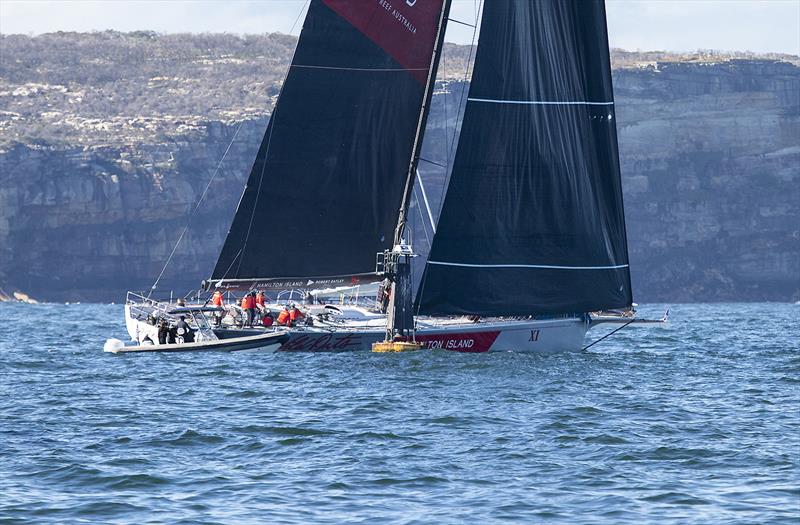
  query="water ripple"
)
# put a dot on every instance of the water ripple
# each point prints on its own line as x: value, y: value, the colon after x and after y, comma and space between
x: 696, y: 422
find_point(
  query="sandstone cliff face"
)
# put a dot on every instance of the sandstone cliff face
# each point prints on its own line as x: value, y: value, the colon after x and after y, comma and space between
x: 88, y: 223
x: 710, y: 159
x: 711, y: 171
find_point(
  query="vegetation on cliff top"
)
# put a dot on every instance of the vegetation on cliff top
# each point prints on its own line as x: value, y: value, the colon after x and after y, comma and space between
x: 106, y: 87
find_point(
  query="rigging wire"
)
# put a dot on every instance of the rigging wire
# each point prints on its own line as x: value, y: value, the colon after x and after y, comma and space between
x: 421, y: 218
x: 434, y: 162
x: 460, y: 22
x: 425, y: 201
x: 260, y: 181
x: 607, y: 335
x: 461, y: 103
x: 305, y: 4
x: 451, y: 145
x: 224, y: 275
x: 271, y: 127
x: 194, y: 211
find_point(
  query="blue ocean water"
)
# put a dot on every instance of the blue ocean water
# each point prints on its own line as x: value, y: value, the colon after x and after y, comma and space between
x: 696, y: 422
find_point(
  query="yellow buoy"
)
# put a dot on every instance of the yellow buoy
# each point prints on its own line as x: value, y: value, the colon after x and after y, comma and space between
x: 396, y: 346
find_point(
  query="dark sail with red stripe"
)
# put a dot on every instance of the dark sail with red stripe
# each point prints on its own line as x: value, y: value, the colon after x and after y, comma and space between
x: 327, y: 183
x: 532, y: 222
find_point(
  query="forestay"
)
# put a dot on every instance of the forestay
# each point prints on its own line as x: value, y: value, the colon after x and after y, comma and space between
x: 532, y: 221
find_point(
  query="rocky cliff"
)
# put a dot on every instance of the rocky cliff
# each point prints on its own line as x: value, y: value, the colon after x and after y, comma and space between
x: 88, y: 222
x: 711, y: 171
x: 108, y: 140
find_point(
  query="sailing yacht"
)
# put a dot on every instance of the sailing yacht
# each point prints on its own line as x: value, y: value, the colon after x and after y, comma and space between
x: 531, y: 237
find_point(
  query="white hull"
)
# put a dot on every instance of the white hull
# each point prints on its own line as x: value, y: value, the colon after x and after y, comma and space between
x: 456, y: 334
x: 263, y: 342
x: 519, y: 336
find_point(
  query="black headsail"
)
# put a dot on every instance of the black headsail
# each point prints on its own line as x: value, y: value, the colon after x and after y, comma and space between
x: 532, y: 222
x: 327, y: 183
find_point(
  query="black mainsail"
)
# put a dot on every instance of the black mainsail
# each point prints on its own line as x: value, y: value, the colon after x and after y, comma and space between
x: 533, y: 221
x: 324, y: 192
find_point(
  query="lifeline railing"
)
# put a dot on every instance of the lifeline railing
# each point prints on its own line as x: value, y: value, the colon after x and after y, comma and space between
x: 142, y: 306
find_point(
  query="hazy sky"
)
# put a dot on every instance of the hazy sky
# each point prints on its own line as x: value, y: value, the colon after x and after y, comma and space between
x: 675, y: 25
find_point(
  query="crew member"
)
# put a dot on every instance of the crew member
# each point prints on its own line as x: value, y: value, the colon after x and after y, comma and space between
x: 217, y: 301
x: 267, y: 320
x: 244, y: 309
x: 295, y: 315
x: 184, y: 330
x: 260, y: 301
x: 163, y: 332
x: 249, y: 307
x: 284, y: 318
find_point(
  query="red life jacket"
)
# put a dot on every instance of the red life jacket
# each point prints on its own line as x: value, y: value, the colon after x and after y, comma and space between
x: 283, y: 317
x: 296, y: 314
x: 216, y: 300
x: 260, y: 299
x: 267, y: 320
x: 248, y: 302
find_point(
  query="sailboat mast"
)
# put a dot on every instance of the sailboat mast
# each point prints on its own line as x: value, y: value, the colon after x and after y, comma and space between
x: 397, y: 262
x: 423, y: 119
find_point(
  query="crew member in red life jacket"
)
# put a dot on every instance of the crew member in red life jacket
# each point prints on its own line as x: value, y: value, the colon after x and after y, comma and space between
x: 249, y: 306
x: 295, y: 315
x: 260, y: 300
x: 284, y: 318
x: 267, y: 320
x: 217, y: 301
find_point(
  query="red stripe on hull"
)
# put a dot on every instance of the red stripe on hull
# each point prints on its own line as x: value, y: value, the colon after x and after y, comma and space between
x: 460, y: 342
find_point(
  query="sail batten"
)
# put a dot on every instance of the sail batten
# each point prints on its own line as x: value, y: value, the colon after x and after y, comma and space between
x: 532, y: 221
x: 542, y: 102
x: 533, y: 266
x: 367, y: 69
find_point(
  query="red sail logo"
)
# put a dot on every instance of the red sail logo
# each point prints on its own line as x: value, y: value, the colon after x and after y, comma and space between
x: 405, y: 29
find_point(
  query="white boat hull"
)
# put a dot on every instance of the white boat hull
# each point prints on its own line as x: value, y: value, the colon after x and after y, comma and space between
x: 265, y: 342
x: 519, y: 336
x: 458, y: 334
